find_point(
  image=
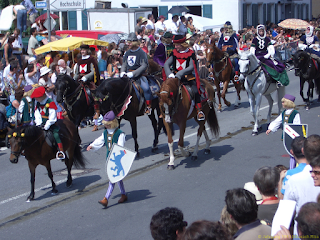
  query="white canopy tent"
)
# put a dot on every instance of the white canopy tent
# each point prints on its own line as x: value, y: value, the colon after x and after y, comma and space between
x: 203, y: 23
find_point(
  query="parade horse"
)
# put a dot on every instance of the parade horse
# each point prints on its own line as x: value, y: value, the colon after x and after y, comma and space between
x: 120, y: 95
x: 177, y: 107
x: 257, y: 86
x: 308, y: 70
x: 38, y: 147
x: 222, y: 69
x: 76, y: 97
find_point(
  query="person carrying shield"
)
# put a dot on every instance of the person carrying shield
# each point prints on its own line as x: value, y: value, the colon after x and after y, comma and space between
x: 45, y: 115
x: 183, y: 61
x: 111, y: 135
x: 134, y: 66
x: 87, y: 71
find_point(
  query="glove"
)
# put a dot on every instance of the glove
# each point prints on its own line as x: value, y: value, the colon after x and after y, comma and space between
x: 84, y: 79
x: 311, y: 46
x: 171, y: 75
x: 122, y: 74
x: 266, y: 56
x: 130, y: 74
x: 46, y: 127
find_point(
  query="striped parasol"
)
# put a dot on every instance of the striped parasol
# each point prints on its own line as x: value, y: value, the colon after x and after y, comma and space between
x: 293, y: 23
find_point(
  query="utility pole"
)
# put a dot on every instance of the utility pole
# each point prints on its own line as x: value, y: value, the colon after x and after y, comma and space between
x: 49, y: 20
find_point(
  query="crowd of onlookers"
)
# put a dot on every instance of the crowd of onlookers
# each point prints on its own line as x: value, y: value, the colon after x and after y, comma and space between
x: 249, y: 212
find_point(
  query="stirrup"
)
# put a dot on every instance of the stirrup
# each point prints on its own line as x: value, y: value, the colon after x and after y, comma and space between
x: 200, y: 118
x: 236, y: 78
x: 60, y: 158
x: 148, y: 110
x: 279, y: 84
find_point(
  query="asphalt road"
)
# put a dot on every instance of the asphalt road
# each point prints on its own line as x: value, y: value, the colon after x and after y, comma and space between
x: 196, y: 187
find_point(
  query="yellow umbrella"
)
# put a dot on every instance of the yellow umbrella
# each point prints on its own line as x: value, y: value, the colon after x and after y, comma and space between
x: 69, y: 44
x: 293, y: 23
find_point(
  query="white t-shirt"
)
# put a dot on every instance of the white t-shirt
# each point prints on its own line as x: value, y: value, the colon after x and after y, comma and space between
x: 159, y: 26
x: 30, y: 80
x: 17, y: 43
x: 149, y: 25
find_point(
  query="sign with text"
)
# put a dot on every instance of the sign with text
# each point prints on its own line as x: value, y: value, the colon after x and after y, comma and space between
x: 52, y: 24
x: 62, y: 5
x: 41, y: 4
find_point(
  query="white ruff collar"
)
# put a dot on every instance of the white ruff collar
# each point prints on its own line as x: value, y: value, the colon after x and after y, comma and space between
x: 85, y: 57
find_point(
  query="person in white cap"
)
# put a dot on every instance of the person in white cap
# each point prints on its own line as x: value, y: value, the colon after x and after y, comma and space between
x: 30, y: 72
x: 45, y: 81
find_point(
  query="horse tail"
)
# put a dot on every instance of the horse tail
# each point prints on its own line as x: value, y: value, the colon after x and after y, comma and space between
x: 78, y: 158
x: 213, y: 122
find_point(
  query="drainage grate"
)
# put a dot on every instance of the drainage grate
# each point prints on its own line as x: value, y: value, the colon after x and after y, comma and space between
x: 74, y: 172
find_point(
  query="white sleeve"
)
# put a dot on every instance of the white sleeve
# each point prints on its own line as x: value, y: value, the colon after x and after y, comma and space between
x: 271, y: 50
x: 122, y: 139
x: 51, y: 119
x: 252, y: 50
x: 98, y: 143
x: 302, y: 46
x: 289, y: 193
x: 275, y: 124
x: 20, y: 109
x: 37, y: 117
x: 296, y: 119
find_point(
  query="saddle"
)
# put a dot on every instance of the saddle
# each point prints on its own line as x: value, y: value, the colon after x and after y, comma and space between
x: 50, y: 140
x: 192, y: 94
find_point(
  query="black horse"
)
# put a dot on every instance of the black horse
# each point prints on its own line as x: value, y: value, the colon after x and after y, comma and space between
x: 309, y: 72
x: 77, y: 98
x: 119, y: 95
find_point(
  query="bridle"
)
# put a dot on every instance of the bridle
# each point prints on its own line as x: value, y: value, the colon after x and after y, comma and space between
x: 213, y: 63
x: 257, y: 71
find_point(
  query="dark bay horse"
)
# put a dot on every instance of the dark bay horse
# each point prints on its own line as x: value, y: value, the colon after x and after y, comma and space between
x: 177, y: 108
x: 222, y: 70
x: 77, y: 98
x: 308, y: 72
x: 118, y: 95
x: 33, y: 141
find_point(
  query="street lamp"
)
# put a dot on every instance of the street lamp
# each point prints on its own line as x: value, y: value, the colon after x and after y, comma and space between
x: 125, y: 5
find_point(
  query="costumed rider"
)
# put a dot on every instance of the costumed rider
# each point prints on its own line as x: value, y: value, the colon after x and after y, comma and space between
x: 228, y: 42
x: 87, y: 71
x: 26, y: 107
x: 135, y: 64
x: 45, y: 115
x: 164, y: 49
x: 310, y: 43
x: 183, y: 61
x: 264, y: 50
x: 111, y: 135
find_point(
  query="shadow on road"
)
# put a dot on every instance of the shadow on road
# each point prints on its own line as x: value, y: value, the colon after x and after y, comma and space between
x: 136, y: 195
x: 79, y: 184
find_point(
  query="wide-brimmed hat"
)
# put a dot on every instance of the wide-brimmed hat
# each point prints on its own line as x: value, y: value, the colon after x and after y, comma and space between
x: 44, y: 70
x: 28, y: 89
x: 251, y: 187
x: 38, y: 92
x: 132, y: 37
x: 168, y: 35
x: 178, y: 39
x: 84, y: 46
x: 144, y: 20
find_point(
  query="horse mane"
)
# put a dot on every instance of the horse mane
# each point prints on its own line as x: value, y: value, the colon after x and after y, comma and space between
x: 30, y: 131
x: 67, y: 78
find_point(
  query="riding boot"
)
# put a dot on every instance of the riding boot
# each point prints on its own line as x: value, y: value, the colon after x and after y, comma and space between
x: 236, y: 77
x: 60, y: 154
x: 200, y: 114
x: 104, y: 202
x: 97, y: 110
x: 148, y: 108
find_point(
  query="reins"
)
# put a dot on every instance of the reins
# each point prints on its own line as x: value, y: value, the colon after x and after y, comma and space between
x: 214, y: 62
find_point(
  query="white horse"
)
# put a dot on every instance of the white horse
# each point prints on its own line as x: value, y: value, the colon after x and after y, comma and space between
x: 256, y: 86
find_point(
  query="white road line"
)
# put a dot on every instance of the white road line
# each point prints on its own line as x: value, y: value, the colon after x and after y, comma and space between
x: 195, y: 133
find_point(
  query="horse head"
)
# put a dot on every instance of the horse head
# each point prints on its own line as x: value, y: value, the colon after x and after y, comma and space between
x: 213, y: 54
x: 300, y: 59
x: 167, y: 96
x: 16, y: 138
x: 63, y: 86
x: 247, y: 63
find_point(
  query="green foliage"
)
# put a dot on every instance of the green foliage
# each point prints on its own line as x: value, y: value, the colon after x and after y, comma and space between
x: 5, y: 3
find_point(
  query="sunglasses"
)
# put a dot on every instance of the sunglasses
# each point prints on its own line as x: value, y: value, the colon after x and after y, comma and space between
x: 317, y: 173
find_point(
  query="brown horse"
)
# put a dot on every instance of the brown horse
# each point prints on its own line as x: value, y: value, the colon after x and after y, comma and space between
x: 222, y: 70
x: 176, y: 107
x: 37, y: 148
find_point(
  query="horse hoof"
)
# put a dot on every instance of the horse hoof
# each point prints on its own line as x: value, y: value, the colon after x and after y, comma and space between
x: 207, y: 151
x: 228, y: 104
x: 259, y: 129
x: 194, y: 158
x: 254, y: 133
x: 170, y: 167
x: 154, y: 149
x: 138, y: 155
x: 68, y: 184
x: 307, y: 108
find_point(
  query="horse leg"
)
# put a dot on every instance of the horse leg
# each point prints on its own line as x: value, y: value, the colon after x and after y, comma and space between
x: 133, y: 124
x: 309, y: 94
x: 270, y: 101
x: 196, y: 148
x: 280, y: 92
x: 50, y: 175
x: 182, y: 127
x: 69, y: 161
x: 208, y: 142
x: 256, y: 114
x: 301, y: 89
x: 155, y: 130
x: 32, y: 169
x: 223, y: 95
x: 238, y: 89
x: 170, y: 145
x: 217, y: 82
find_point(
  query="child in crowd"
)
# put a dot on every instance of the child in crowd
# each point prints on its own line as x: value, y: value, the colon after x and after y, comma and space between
x: 111, y: 135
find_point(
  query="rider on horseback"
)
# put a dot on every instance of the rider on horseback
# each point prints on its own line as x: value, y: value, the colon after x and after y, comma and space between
x: 87, y: 71
x: 228, y: 43
x: 164, y: 49
x: 135, y: 64
x: 183, y: 61
x: 46, y: 116
x: 264, y: 50
x: 310, y: 43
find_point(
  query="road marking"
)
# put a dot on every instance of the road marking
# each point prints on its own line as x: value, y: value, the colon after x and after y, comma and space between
x: 195, y: 133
